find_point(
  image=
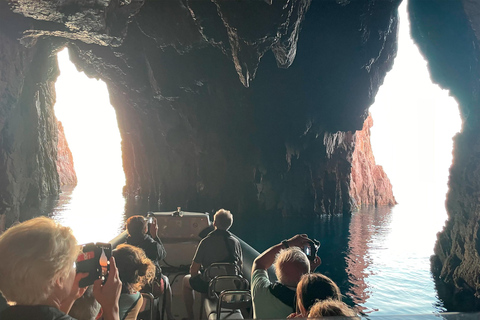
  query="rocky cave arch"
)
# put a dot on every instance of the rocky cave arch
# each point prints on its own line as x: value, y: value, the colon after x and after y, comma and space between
x: 249, y: 105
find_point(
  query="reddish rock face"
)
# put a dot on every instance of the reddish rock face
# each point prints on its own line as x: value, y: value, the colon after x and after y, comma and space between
x: 65, y: 167
x: 369, y: 184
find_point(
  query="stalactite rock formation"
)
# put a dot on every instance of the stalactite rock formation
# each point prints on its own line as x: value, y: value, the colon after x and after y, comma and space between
x: 249, y: 105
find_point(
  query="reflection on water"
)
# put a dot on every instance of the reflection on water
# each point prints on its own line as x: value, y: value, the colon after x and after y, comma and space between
x: 94, y: 214
x: 388, y: 261
x: 379, y: 257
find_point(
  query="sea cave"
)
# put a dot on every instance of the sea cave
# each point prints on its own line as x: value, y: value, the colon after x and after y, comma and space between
x: 251, y: 105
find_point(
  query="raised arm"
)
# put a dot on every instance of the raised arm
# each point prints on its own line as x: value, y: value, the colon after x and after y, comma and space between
x: 161, y: 253
x: 266, y: 259
x: 108, y: 294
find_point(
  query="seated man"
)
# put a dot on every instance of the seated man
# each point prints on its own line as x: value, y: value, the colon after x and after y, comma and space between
x: 218, y: 246
x: 139, y: 235
x: 277, y: 300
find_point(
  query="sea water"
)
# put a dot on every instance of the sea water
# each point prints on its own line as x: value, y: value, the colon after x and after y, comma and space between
x: 379, y: 256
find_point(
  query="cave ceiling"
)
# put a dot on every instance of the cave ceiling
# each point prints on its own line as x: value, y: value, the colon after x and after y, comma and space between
x: 250, y: 105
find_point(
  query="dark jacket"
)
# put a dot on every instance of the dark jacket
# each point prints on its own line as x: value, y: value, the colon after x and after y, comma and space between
x: 33, y: 312
x: 153, y: 247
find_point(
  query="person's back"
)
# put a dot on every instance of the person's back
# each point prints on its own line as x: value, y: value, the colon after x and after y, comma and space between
x: 276, y: 300
x: 139, y: 235
x: 135, y: 271
x: 218, y: 246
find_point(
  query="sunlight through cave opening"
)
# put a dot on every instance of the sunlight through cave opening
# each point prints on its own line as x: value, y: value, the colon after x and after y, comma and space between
x: 94, y: 208
x: 412, y: 135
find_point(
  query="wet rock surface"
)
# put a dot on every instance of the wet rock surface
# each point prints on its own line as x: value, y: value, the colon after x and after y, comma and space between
x: 452, y: 51
x: 219, y: 106
x: 369, y: 184
x: 65, y: 165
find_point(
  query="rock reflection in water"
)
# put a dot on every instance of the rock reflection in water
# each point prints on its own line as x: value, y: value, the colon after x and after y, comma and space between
x: 364, y: 228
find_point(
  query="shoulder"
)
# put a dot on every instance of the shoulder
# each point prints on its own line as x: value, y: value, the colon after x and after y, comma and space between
x: 260, y: 279
x: 34, y: 312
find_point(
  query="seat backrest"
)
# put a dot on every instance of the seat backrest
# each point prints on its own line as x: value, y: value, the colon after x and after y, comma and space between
x: 221, y: 269
x: 226, y: 282
x: 234, y: 299
x: 147, y: 309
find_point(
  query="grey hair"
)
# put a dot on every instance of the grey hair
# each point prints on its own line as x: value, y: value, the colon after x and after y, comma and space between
x: 223, y: 219
x: 293, y: 256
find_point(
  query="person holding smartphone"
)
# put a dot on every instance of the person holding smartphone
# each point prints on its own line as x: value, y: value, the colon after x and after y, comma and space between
x: 142, y: 233
x: 39, y: 277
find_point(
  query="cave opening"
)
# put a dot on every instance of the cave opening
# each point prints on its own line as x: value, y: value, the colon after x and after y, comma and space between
x: 93, y: 207
x: 412, y: 139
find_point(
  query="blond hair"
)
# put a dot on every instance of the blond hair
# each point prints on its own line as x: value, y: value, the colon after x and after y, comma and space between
x: 35, y: 254
x: 223, y: 219
x: 331, y: 308
x: 290, y: 264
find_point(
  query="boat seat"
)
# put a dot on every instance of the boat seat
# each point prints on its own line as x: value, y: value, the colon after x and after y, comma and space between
x: 227, y: 295
x: 212, y: 312
x: 221, y: 269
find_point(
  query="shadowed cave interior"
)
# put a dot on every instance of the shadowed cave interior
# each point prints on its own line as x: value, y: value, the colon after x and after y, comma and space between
x: 219, y: 107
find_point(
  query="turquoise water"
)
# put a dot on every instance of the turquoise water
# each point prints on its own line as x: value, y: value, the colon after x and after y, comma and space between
x: 379, y: 257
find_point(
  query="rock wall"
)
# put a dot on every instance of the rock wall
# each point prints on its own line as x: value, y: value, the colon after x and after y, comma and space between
x: 27, y: 123
x: 369, y: 184
x: 65, y: 167
x: 447, y: 34
x: 217, y: 107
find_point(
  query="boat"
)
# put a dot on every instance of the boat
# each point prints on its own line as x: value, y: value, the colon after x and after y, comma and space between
x: 180, y: 233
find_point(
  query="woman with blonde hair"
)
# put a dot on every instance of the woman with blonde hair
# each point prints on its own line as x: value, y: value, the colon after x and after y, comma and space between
x: 135, y: 271
x: 314, y: 287
x: 38, y: 274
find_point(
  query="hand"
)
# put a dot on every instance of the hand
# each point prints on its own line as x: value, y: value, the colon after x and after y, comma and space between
x: 315, y: 263
x: 300, y: 240
x: 295, y: 315
x: 75, y: 293
x: 109, y: 293
x: 153, y: 228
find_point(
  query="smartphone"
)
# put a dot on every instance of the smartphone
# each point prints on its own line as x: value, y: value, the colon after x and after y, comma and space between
x: 307, y: 249
x: 94, y: 260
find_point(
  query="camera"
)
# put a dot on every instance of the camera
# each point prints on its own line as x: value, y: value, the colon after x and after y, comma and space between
x: 311, y: 249
x: 150, y: 217
x: 94, y: 260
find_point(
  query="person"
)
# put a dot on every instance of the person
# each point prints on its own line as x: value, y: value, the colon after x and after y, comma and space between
x: 218, y: 246
x: 331, y: 308
x: 144, y: 235
x: 135, y: 271
x: 86, y: 307
x: 276, y: 300
x: 39, y: 278
x: 311, y: 288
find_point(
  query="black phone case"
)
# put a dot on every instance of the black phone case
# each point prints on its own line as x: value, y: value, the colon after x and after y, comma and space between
x: 89, y: 262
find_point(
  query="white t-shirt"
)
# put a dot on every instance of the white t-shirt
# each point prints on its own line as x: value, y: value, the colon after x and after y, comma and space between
x: 266, y: 305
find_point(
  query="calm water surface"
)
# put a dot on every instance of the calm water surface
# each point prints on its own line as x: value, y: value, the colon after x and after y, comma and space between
x: 379, y: 256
